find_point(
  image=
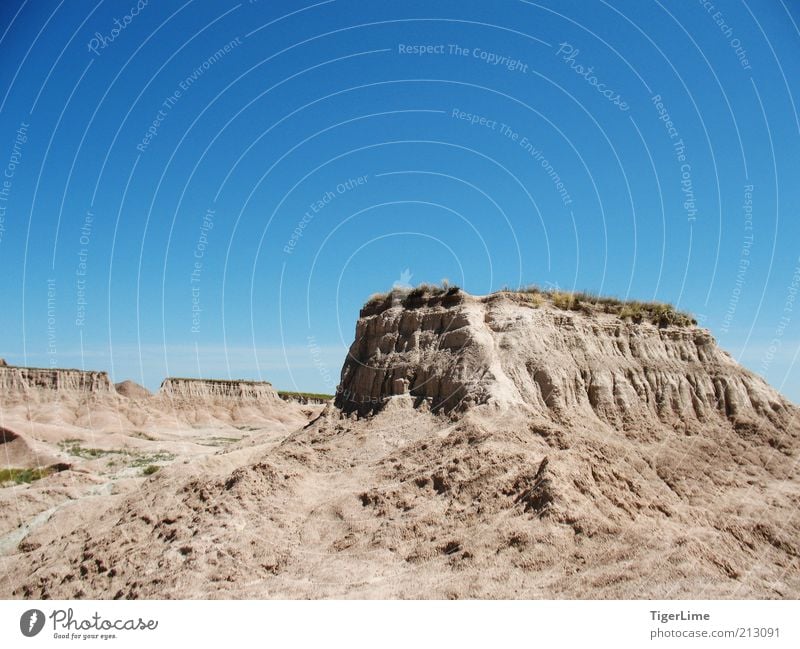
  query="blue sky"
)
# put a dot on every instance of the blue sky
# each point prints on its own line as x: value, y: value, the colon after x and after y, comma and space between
x: 214, y: 188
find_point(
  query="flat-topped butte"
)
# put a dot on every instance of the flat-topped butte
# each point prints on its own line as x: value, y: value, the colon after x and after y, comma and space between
x: 658, y: 313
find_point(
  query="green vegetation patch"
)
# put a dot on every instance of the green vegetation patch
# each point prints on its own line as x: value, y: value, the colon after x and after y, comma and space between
x: 150, y: 469
x: 657, y: 313
x: 22, y: 476
x: 219, y: 441
x: 189, y: 379
x: 150, y: 458
x: 413, y: 298
x: 133, y: 458
x: 73, y: 447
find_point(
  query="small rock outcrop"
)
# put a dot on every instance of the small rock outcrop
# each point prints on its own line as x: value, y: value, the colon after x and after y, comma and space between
x: 132, y: 390
x: 192, y: 389
x: 25, y: 379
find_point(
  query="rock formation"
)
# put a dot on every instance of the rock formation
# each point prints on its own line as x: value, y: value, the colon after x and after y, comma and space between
x: 193, y: 389
x: 565, y: 365
x: 497, y: 447
x: 132, y: 390
x: 26, y: 379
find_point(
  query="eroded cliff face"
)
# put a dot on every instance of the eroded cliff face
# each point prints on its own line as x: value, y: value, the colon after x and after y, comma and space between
x: 561, y: 364
x: 24, y: 380
x: 193, y: 389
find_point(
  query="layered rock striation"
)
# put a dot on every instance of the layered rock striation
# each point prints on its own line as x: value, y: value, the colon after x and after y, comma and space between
x: 193, y: 389
x: 562, y: 364
x: 28, y: 379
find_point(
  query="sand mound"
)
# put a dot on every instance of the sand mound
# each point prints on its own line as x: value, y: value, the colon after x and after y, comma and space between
x: 18, y: 452
x: 132, y: 390
x: 411, y: 504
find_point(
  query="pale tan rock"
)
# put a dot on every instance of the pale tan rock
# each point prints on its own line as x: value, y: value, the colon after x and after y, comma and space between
x: 132, y: 390
x: 26, y: 379
x: 175, y: 388
x: 561, y: 365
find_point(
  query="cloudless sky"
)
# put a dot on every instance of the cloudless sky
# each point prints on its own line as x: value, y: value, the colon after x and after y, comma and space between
x: 251, y: 172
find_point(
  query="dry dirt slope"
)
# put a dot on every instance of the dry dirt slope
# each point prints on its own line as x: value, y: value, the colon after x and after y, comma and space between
x: 480, y: 447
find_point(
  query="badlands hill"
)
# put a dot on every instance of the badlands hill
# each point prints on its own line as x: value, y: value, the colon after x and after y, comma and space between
x: 513, y: 445
x: 132, y: 390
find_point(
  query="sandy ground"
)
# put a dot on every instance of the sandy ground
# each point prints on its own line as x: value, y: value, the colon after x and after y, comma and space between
x: 494, y: 504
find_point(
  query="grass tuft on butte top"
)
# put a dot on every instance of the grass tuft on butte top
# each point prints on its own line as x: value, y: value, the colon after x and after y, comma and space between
x: 658, y: 313
x: 636, y: 311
